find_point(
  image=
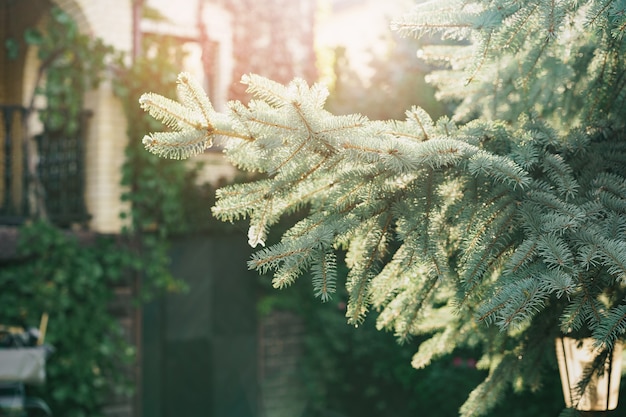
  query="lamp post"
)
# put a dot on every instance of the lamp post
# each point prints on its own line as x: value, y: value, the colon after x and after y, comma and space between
x: 576, y: 358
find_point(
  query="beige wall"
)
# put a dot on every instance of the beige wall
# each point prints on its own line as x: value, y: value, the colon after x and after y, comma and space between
x: 106, y: 141
x: 110, y: 20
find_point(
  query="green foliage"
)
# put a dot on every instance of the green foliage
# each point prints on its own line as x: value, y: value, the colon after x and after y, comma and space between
x: 73, y: 282
x: 164, y: 195
x: 72, y: 63
x: 12, y: 48
x: 398, y: 83
x: 153, y: 189
x: 509, y: 213
x: 350, y: 371
x: 52, y: 271
x: 355, y: 371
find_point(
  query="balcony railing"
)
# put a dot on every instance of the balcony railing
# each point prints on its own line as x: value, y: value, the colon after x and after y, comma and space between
x: 14, y: 206
x: 55, y: 187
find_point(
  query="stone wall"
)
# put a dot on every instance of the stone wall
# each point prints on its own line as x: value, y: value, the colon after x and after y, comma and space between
x: 280, y: 349
x: 128, y: 315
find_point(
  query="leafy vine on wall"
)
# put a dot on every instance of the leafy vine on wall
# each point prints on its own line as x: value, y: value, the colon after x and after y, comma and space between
x: 72, y: 278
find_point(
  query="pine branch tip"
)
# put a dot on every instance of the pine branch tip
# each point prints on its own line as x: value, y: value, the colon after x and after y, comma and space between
x: 147, y: 141
x: 184, y: 77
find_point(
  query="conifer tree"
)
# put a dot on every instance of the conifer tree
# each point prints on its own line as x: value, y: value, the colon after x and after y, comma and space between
x: 499, y: 227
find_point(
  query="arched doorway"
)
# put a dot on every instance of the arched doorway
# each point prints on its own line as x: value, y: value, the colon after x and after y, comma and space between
x: 18, y: 70
x: 80, y: 161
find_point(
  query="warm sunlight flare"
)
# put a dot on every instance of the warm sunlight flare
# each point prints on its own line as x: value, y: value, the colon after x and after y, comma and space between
x: 359, y: 26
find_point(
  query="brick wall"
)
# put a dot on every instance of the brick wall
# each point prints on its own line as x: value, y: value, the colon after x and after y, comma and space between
x: 106, y: 141
x: 126, y: 312
x: 280, y: 349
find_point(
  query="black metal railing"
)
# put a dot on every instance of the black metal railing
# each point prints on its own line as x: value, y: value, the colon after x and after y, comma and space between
x: 61, y: 172
x: 55, y: 187
x: 13, y: 165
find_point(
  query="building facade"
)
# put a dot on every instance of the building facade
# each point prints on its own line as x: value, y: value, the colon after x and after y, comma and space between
x: 223, y: 39
x: 78, y: 183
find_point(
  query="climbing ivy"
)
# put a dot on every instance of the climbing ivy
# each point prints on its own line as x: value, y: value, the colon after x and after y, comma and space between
x: 349, y: 372
x: 73, y: 279
x: 71, y: 63
x: 163, y: 195
x: 155, y: 186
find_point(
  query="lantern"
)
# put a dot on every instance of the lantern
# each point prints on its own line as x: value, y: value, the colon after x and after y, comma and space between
x: 575, y: 356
